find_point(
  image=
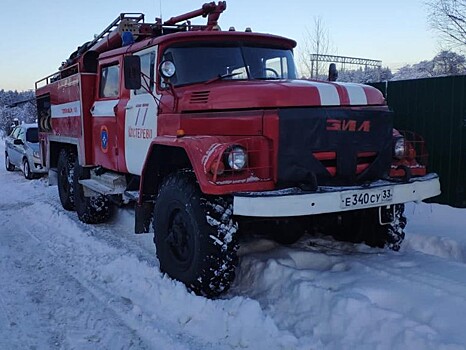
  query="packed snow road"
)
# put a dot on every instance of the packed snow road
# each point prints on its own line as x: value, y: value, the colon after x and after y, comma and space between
x: 67, y: 285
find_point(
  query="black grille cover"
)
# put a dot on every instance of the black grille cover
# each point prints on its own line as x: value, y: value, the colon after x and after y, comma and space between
x: 345, y: 131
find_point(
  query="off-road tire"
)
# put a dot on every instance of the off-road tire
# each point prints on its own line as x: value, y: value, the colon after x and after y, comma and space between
x: 389, y: 236
x: 363, y: 226
x: 28, y: 174
x: 65, y: 170
x: 8, y: 165
x: 90, y: 210
x: 195, y: 236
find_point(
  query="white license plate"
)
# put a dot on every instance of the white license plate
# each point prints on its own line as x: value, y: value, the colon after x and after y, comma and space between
x: 366, y: 198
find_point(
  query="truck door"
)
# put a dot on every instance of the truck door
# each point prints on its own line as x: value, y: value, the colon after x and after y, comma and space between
x: 104, y: 114
x: 141, y: 114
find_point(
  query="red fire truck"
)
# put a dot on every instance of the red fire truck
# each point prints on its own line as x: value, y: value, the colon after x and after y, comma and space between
x: 211, y: 134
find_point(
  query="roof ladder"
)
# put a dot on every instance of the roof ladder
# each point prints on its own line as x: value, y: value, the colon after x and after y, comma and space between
x: 122, y: 23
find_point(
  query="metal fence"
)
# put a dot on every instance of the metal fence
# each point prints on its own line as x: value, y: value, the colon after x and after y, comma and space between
x: 436, y: 109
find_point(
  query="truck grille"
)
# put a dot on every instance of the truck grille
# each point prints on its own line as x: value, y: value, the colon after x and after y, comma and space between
x: 333, y: 146
x: 329, y: 161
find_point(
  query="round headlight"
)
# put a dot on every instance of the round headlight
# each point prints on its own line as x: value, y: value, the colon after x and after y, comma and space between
x: 399, y: 148
x: 35, y: 154
x: 237, y: 158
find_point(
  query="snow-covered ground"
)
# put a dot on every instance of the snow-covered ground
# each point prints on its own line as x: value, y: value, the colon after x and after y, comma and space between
x: 67, y: 285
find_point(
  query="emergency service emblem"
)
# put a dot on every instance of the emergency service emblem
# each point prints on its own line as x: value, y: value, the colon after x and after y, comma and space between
x: 104, y: 139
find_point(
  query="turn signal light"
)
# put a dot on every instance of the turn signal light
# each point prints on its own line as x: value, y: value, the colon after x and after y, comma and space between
x: 217, y: 168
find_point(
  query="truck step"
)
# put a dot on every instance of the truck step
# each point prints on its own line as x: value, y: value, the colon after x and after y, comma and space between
x: 106, y: 184
x: 131, y: 195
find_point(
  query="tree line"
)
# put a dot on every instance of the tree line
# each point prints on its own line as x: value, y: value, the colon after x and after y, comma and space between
x: 16, y: 107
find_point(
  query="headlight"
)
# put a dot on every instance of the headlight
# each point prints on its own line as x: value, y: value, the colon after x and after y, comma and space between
x: 399, y: 148
x: 236, y: 157
x: 36, y: 154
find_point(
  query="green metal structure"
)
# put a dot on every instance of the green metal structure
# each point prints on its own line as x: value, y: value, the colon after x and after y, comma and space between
x: 435, y: 108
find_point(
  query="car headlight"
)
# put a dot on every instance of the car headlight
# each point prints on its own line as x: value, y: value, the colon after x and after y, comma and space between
x: 399, y: 147
x: 236, y: 157
x: 36, y: 154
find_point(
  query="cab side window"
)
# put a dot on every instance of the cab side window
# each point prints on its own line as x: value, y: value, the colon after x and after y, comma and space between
x: 109, y: 81
x: 147, y: 73
x: 277, y: 68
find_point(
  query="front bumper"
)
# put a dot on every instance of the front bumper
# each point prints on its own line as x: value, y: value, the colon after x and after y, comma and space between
x: 36, y: 167
x: 295, y: 202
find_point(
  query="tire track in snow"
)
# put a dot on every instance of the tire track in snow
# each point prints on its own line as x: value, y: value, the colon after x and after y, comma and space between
x: 57, y: 298
x: 46, y: 218
x: 109, y: 301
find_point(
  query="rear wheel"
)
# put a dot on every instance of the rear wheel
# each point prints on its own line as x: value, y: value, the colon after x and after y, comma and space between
x: 8, y: 165
x: 91, y: 210
x: 195, y: 236
x: 65, y: 169
x: 27, y: 170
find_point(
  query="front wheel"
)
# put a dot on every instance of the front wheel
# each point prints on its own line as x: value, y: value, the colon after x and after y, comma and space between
x: 195, y: 236
x: 8, y: 165
x: 27, y: 170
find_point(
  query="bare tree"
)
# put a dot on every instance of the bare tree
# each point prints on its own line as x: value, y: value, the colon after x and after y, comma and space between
x: 445, y: 63
x: 449, y: 18
x: 449, y: 63
x: 316, y: 41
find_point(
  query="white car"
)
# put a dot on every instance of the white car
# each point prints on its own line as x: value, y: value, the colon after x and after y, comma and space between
x: 22, y: 151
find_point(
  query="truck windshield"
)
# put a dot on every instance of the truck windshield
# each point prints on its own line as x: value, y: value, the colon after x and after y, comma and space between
x: 195, y: 64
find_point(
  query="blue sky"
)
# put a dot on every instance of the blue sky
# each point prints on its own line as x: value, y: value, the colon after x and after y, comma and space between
x: 38, y: 35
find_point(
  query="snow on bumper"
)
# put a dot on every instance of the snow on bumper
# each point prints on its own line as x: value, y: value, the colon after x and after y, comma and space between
x: 294, y: 202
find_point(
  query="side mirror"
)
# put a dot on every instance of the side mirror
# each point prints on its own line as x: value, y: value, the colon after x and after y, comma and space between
x: 18, y: 142
x: 132, y: 72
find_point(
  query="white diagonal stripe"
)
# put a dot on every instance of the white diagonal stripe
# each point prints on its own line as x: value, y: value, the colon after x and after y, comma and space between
x: 356, y: 94
x: 328, y: 93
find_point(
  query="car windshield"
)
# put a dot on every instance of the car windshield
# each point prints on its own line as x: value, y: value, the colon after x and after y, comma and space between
x: 32, y: 135
x: 201, y: 63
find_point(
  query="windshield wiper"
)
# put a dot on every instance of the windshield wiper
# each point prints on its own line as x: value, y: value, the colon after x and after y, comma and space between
x: 223, y: 76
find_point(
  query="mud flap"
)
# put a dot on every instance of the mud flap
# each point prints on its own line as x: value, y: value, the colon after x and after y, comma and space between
x: 143, y: 217
x: 53, y: 177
